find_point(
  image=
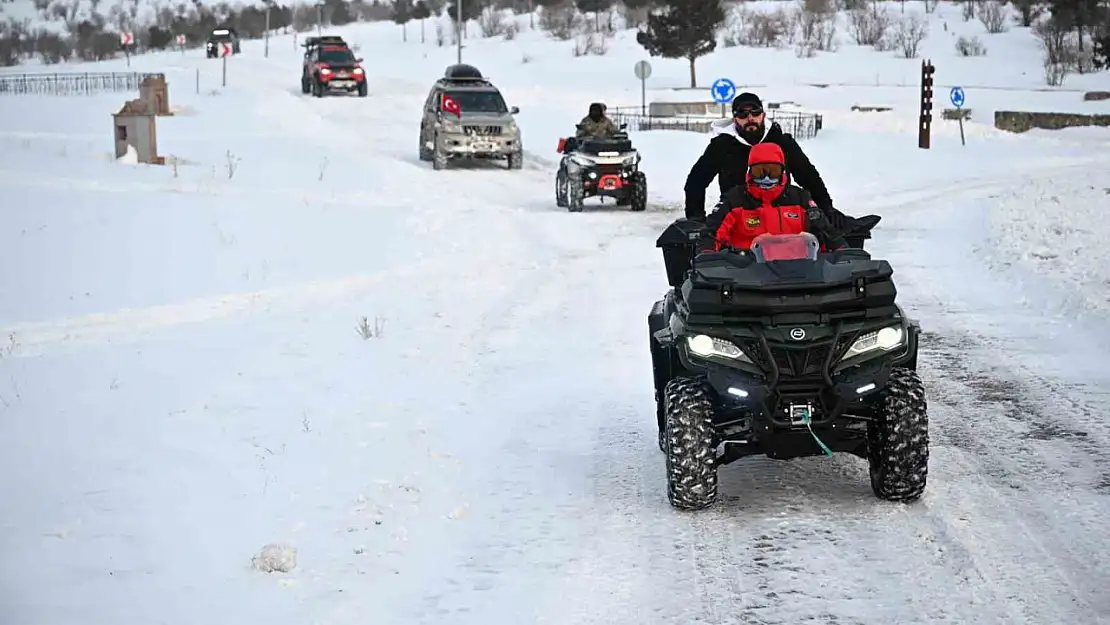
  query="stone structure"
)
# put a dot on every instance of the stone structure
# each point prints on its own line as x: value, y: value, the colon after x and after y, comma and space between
x: 1021, y: 121
x: 956, y: 114
x: 156, y: 94
x: 1096, y: 95
x: 871, y: 109
x: 134, y: 126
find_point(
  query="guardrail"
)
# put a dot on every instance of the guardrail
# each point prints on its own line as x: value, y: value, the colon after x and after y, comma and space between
x: 72, y: 83
x: 800, y: 125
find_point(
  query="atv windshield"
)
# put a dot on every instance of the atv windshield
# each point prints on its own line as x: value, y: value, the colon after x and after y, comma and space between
x: 337, y: 56
x: 479, y: 101
x: 771, y: 247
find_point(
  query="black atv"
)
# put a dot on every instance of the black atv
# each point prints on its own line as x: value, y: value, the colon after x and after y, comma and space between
x: 787, y: 352
x: 593, y: 167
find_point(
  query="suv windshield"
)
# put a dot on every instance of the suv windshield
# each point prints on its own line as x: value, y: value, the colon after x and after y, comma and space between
x: 336, y: 55
x: 479, y: 101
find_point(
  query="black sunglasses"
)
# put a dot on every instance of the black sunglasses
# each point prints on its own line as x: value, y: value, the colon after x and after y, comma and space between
x: 748, y: 112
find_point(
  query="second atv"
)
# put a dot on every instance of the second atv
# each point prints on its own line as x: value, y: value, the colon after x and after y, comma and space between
x: 593, y: 167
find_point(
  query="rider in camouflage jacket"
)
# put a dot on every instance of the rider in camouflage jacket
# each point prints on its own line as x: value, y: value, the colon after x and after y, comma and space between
x: 596, y: 124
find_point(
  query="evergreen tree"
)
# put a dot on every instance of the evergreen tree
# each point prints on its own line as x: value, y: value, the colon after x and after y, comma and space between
x: 1102, y: 52
x: 402, y: 13
x: 471, y: 9
x: 421, y: 11
x: 683, y: 29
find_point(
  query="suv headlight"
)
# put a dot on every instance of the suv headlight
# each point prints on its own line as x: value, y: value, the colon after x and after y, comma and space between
x: 711, y: 346
x: 450, y: 125
x: 883, y: 340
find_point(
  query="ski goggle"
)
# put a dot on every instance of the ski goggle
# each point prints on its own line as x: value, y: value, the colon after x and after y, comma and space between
x: 767, y: 170
x: 747, y: 112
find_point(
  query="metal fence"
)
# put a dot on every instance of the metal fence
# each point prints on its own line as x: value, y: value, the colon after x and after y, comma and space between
x: 801, y: 125
x: 71, y: 84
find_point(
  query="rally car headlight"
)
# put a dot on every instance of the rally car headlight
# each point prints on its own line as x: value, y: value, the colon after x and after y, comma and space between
x: 711, y: 346
x: 882, y: 340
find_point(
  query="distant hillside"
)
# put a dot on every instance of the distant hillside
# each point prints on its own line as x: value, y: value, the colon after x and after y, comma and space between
x: 1073, y: 37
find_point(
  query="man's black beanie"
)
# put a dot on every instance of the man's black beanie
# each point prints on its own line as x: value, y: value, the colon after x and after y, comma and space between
x: 745, y: 100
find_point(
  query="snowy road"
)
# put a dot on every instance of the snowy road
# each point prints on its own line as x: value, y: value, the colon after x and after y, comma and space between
x: 491, y: 458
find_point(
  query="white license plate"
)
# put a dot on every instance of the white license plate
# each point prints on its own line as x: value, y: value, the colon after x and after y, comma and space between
x: 342, y: 83
x: 482, y: 147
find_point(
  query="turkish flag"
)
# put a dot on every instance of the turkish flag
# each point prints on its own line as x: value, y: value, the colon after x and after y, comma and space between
x: 451, y: 106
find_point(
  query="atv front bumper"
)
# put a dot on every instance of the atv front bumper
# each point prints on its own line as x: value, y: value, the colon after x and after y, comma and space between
x: 483, y: 146
x: 744, y: 389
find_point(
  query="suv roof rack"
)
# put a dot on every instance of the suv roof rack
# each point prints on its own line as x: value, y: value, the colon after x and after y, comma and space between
x: 325, y: 39
x: 462, y: 73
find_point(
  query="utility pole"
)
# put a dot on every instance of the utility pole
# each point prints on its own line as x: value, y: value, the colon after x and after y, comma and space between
x: 269, y: 4
x: 458, y: 28
x: 320, y: 19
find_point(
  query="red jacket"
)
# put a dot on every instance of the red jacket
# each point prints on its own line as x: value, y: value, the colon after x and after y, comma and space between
x: 745, y: 217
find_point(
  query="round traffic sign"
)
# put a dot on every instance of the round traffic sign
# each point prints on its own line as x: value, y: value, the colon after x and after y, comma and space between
x: 957, y: 97
x: 642, y: 69
x: 723, y: 90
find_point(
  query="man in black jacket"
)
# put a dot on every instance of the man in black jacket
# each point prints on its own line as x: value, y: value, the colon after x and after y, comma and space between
x: 726, y: 158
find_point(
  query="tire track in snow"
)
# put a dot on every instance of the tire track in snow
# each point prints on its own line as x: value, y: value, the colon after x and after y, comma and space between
x: 1027, y: 511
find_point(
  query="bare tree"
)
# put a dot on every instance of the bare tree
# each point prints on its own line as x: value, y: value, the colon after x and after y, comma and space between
x: 908, y: 34
x: 993, y: 16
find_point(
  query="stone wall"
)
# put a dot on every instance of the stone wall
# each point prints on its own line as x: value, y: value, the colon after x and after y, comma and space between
x: 1021, y: 121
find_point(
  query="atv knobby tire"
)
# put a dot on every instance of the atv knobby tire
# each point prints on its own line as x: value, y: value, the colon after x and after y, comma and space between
x: 576, y: 193
x: 689, y: 445
x: 898, y: 439
x: 638, y: 194
x: 561, y: 188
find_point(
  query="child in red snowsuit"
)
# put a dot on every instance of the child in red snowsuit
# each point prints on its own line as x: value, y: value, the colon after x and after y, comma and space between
x: 768, y: 204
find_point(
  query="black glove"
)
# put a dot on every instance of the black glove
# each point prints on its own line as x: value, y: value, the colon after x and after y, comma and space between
x: 838, y: 220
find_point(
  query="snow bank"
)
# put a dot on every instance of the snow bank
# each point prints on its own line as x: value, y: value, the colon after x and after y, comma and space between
x: 1055, y: 231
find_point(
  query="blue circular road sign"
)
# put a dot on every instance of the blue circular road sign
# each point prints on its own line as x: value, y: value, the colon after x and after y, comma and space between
x: 957, y: 97
x: 724, y: 90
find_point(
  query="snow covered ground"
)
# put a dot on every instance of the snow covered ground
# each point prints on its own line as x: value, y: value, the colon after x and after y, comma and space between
x: 435, y: 386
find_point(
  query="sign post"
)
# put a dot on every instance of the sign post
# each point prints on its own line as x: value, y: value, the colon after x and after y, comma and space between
x: 957, y: 97
x: 723, y: 90
x: 643, y: 72
x: 925, y: 118
x: 225, y: 51
x: 126, y: 41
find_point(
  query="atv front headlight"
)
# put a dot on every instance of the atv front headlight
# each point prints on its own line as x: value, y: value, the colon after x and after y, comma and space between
x: 711, y: 346
x: 583, y: 162
x: 631, y: 160
x: 882, y: 340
